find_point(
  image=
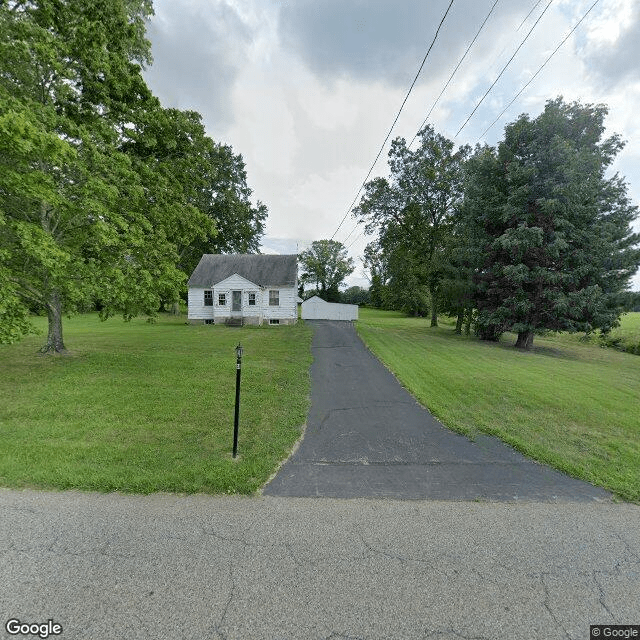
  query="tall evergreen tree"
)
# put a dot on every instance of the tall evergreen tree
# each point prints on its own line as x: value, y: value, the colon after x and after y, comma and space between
x: 553, y: 232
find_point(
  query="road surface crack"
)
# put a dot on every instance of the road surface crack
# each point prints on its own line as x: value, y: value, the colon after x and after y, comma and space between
x: 547, y: 606
x: 601, y: 595
x: 450, y: 631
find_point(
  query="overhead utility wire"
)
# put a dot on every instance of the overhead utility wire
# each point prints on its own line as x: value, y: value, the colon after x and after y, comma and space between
x: 504, y: 68
x: 456, y: 69
x: 499, y: 56
x: 396, y: 120
x: 438, y: 98
x: 528, y: 14
x: 533, y: 77
x: 544, y: 64
x: 441, y: 94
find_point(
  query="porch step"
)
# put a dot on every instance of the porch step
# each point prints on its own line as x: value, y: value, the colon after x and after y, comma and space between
x: 234, y: 322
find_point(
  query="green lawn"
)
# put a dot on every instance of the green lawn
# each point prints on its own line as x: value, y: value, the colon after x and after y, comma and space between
x: 627, y: 336
x: 624, y: 338
x: 139, y: 407
x: 573, y: 405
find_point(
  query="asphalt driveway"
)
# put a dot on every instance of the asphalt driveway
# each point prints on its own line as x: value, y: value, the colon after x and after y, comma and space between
x: 366, y: 436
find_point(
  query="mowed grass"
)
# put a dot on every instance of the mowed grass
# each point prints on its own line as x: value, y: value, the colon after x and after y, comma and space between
x: 627, y: 336
x: 572, y: 405
x: 139, y: 407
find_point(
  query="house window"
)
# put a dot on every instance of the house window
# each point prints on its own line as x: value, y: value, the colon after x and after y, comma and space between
x: 208, y: 298
x: 222, y: 299
x: 208, y: 321
x: 252, y: 299
x: 274, y: 321
x: 274, y: 298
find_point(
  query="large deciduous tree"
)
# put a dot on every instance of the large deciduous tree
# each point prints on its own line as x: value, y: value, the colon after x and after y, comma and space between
x: 80, y: 220
x: 326, y: 264
x: 553, y: 231
x: 171, y: 154
x: 196, y: 187
x: 412, y: 213
x: 226, y: 200
x: 375, y: 262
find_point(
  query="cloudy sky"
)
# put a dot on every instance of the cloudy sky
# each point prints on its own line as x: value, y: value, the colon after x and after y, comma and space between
x: 306, y: 90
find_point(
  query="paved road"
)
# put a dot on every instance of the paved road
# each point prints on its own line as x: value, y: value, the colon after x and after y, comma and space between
x: 109, y: 567
x: 366, y: 436
x: 275, y: 568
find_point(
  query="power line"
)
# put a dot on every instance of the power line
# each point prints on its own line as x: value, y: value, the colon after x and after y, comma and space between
x: 440, y: 95
x: 396, y: 119
x: 350, y: 232
x: 456, y: 69
x: 504, y: 69
x: 355, y: 239
x: 521, y: 90
x: 528, y: 14
x: 499, y: 56
x: 433, y: 106
x: 544, y: 64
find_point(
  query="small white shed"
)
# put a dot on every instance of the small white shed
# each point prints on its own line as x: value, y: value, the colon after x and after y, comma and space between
x: 316, y: 308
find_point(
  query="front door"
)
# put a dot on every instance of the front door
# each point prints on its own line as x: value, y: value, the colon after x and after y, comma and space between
x: 236, y: 301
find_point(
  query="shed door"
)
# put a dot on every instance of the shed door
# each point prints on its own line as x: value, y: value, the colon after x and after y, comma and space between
x: 236, y: 301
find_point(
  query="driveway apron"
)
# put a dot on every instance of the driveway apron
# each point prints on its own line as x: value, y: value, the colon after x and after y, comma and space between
x: 366, y: 436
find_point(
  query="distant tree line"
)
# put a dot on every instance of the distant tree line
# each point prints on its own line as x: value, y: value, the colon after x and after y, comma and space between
x: 107, y: 199
x: 529, y: 236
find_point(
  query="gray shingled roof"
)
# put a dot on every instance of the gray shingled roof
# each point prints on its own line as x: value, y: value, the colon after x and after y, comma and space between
x: 263, y: 270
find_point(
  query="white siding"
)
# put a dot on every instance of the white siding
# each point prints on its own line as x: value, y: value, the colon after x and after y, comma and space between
x: 317, y: 309
x: 197, y: 310
x: 285, y: 311
x: 236, y: 283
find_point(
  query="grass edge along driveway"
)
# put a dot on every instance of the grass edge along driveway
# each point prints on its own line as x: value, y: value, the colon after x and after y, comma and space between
x: 141, y: 408
x: 571, y: 405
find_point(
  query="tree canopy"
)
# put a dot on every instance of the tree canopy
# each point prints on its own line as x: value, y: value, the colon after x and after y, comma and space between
x: 325, y: 264
x: 412, y: 214
x: 533, y: 235
x: 553, y: 236
x: 104, y: 194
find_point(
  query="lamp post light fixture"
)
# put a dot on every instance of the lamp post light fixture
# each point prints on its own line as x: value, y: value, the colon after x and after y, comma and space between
x: 237, y: 414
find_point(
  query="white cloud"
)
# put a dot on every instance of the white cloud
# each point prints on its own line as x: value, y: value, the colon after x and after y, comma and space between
x: 307, y: 91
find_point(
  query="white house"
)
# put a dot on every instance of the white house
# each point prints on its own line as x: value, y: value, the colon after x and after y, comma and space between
x: 244, y: 289
x: 316, y: 308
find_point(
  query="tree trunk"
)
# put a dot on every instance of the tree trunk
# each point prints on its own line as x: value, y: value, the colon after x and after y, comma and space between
x: 175, y: 309
x: 460, y: 321
x: 54, y: 342
x: 525, y: 340
x: 467, y: 328
x: 434, y: 308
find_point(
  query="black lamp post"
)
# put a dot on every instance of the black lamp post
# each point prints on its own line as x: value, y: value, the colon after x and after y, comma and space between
x: 235, y: 421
